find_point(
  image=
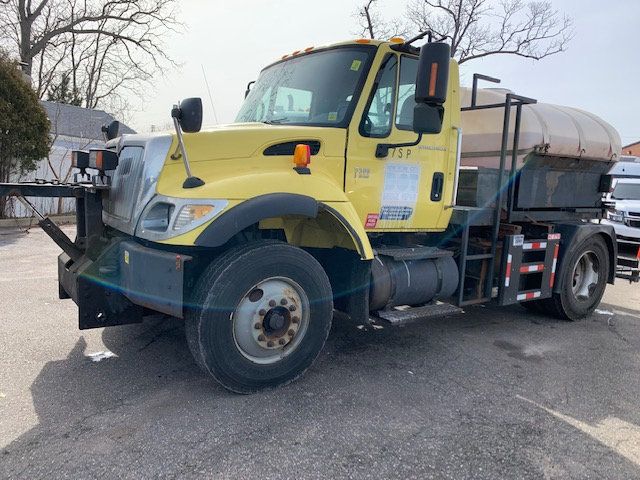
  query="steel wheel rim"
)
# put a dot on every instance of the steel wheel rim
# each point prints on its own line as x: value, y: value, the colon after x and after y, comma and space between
x: 586, y: 276
x: 271, y: 320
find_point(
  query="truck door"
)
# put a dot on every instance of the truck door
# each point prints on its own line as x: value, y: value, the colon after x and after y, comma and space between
x: 408, y: 189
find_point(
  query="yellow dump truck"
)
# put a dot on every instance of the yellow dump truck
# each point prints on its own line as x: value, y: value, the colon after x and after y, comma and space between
x: 342, y: 185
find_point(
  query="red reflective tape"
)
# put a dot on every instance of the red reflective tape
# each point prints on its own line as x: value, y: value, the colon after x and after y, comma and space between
x: 529, y: 296
x: 539, y: 267
x: 552, y: 280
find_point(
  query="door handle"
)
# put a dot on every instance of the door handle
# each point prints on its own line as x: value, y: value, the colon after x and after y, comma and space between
x: 437, y: 185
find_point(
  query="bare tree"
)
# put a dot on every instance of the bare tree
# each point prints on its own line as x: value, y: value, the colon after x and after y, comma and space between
x: 105, y: 48
x: 480, y: 28
x: 373, y: 25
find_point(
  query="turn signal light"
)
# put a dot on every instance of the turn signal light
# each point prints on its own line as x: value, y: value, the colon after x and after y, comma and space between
x: 302, y: 155
x: 80, y: 159
x: 103, y: 160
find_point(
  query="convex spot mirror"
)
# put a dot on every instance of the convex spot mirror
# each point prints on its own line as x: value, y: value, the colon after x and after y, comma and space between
x: 431, y: 87
x: 112, y: 130
x: 427, y: 118
x: 189, y: 115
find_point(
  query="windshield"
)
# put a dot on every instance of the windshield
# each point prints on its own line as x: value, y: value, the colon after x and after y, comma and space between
x: 627, y: 191
x: 319, y: 89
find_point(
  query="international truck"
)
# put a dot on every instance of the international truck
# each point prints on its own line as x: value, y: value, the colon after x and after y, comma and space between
x: 358, y: 177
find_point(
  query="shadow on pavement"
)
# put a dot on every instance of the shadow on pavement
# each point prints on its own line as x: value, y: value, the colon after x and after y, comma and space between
x: 502, y: 390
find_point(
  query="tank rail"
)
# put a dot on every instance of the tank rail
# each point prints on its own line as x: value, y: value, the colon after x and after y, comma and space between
x: 512, y: 100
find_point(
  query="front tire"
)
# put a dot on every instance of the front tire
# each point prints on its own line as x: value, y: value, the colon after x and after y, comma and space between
x: 584, y: 279
x: 261, y: 314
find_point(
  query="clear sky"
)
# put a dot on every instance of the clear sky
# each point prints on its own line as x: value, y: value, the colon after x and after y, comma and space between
x: 233, y: 40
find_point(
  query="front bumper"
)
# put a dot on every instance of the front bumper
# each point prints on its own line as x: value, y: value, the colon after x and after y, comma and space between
x: 125, y: 279
x: 623, y: 230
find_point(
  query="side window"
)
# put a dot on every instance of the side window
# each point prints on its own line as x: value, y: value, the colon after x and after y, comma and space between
x: 378, y: 117
x: 406, y: 92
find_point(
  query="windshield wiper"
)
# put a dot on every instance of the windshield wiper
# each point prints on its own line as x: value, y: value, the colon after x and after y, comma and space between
x: 275, y: 121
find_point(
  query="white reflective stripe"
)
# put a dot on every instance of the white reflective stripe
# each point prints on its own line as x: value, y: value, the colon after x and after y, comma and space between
x: 530, y: 246
x: 507, y: 280
x: 528, y: 296
x: 553, y: 268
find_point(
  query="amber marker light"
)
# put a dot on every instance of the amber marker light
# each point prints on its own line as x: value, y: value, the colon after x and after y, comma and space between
x: 302, y: 155
x: 99, y: 159
x: 433, y: 79
x: 363, y: 40
x: 396, y: 40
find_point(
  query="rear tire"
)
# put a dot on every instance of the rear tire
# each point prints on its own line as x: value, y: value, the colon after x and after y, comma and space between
x: 584, y: 278
x: 260, y: 316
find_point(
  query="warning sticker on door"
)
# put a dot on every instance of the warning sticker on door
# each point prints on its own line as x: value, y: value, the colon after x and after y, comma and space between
x: 372, y: 220
x: 400, y: 191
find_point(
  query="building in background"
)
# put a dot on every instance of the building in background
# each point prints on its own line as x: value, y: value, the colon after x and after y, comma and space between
x: 72, y: 128
x: 632, y: 149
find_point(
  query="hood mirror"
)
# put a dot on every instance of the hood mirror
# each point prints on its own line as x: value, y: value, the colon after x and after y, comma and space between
x: 187, y: 117
x: 189, y: 114
x: 111, y: 131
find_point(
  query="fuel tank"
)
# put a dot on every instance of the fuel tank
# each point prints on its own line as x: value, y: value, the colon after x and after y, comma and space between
x: 411, y: 282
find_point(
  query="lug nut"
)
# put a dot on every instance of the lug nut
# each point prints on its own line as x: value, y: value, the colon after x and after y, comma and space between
x: 282, y: 341
x: 262, y: 312
x: 295, y: 319
x: 292, y: 308
x: 257, y: 326
x: 261, y: 338
x: 272, y: 303
x: 269, y: 343
x: 291, y: 332
x: 283, y: 301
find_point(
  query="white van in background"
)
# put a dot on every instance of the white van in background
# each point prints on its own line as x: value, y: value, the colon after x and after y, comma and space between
x: 624, y: 215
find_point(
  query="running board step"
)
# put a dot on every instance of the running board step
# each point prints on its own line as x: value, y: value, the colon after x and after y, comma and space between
x: 411, y: 315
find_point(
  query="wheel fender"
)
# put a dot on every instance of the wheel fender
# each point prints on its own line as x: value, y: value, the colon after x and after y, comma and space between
x: 573, y: 234
x: 274, y: 205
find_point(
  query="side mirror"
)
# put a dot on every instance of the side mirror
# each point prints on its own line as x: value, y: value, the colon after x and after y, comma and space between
x: 189, y: 114
x: 112, y: 130
x: 433, y: 73
x: 248, y: 90
x: 431, y: 87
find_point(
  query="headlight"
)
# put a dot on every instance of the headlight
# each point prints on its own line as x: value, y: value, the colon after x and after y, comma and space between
x: 167, y: 217
x: 191, y: 213
x: 616, y: 216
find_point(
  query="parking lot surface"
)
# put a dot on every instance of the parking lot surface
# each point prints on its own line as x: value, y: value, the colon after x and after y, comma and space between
x: 494, y: 393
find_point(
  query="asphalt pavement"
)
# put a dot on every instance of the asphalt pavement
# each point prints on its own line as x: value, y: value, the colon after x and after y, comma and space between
x: 494, y: 393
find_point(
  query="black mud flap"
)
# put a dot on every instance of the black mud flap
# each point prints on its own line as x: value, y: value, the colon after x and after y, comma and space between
x: 102, y: 306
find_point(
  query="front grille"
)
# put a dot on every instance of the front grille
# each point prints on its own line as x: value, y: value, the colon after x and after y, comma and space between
x: 634, y: 214
x: 126, y: 182
x: 634, y: 223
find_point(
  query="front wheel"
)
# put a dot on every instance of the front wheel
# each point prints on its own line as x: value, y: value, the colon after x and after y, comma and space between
x: 261, y: 315
x: 584, y: 279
